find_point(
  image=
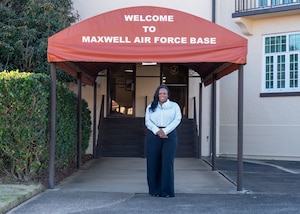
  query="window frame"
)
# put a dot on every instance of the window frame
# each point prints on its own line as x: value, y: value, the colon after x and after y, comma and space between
x: 275, y: 70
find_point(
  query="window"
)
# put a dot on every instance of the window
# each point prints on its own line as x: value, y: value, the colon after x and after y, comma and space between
x: 281, y: 63
x: 267, y: 3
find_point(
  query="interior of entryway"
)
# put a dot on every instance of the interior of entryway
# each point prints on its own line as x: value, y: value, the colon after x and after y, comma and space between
x: 122, y: 132
x: 121, y: 89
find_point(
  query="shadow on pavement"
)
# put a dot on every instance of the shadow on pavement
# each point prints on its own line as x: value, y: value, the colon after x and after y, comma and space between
x: 263, y: 176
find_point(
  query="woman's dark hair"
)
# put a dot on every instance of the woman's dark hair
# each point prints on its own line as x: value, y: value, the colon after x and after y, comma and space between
x: 155, y: 97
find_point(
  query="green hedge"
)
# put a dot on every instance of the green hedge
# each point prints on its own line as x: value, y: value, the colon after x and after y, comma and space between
x: 24, y: 130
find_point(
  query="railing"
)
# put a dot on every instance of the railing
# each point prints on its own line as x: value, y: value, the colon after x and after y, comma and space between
x: 146, y: 102
x: 251, y: 5
x: 101, y: 117
x: 195, y: 110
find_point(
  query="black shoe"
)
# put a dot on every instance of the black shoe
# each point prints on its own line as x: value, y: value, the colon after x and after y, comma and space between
x: 167, y: 196
x: 155, y: 195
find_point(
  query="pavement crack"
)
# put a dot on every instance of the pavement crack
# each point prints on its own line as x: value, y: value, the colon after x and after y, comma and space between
x: 104, y: 206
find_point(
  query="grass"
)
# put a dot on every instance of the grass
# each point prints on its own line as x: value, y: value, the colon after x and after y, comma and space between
x: 12, y: 195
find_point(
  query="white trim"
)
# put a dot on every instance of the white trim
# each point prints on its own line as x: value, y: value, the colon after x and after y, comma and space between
x: 287, y: 55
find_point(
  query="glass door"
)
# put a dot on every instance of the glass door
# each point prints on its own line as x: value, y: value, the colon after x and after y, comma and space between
x: 121, y: 89
x: 176, y: 78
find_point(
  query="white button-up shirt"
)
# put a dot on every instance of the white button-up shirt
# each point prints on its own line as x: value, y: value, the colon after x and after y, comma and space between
x: 167, y: 115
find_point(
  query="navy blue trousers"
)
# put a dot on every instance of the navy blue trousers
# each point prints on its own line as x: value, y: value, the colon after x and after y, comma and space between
x: 160, y: 163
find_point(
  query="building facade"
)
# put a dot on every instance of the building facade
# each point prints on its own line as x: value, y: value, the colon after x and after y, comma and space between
x: 271, y: 77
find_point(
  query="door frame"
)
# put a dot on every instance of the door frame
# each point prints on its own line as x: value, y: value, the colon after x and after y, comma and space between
x: 182, y: 68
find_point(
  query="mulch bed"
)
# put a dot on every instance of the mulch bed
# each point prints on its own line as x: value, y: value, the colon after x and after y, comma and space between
x: 60, y: 174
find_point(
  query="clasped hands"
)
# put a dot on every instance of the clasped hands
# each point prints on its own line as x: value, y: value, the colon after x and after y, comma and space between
x: 161, y: 134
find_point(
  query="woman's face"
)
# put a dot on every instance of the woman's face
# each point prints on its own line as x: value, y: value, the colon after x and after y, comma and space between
x: 162, y: 95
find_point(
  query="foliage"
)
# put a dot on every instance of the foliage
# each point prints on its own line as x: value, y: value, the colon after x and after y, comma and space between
x: 23, y: 115
x: 24, y: 30
x: 24, y: 130
x: 66, y: 132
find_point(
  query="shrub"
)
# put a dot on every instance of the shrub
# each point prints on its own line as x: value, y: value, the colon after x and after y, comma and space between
x: 24, y: 119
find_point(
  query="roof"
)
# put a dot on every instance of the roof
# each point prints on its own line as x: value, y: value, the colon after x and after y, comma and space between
x: 146, y: 34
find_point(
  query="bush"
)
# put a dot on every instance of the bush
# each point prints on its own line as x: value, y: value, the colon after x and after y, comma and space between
x: 66, y: 125
x: 24, y: 130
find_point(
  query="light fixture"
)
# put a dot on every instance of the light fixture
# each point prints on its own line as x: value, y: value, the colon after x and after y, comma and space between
x: 128, y: 70
x: 149, y: 63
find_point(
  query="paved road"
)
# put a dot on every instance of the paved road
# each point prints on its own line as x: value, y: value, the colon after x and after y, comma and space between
x: 118, y: 185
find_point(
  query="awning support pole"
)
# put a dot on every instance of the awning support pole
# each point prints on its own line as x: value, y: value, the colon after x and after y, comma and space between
x: 214, y: 123
x: 52, y: 127
x: 200, y: 121
x: 79, y: 121
x: 94, y: 119
x: 240, y: 128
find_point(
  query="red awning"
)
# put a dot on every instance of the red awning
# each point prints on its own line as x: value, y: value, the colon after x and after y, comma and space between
x: 147, y: 34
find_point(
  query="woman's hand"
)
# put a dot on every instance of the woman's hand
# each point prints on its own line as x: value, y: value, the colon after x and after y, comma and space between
x: 161, y: 134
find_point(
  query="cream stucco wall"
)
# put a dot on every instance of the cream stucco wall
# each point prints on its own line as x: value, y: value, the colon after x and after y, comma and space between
x: 89, y: 8
x: 88, y: 95
x: 271, y: 124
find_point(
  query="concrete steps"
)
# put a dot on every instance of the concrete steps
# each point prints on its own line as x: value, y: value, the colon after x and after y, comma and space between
x: 125, y: 137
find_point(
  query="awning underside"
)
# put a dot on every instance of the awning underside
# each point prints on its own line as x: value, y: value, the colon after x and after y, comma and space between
x: 91, y: 70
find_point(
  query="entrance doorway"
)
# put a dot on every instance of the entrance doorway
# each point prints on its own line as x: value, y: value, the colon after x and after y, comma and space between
x: 176, y: 78
x: 121, y: 88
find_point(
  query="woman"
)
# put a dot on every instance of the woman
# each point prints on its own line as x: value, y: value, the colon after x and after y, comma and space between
x: 162, y: 118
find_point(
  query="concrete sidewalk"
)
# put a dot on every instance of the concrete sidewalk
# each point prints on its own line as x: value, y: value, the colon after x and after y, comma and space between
x: 118, y: 185
x: 123, y: 177
x: 128, y: 175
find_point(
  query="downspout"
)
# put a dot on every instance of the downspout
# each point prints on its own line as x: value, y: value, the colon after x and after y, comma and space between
x: 213, y: 19
x: 213, y: 105
x: 214, y: 122
x: 240, y: 128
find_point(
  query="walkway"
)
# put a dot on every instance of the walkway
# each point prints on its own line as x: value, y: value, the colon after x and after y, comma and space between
x: 118, y: 185
x: 128, y: 175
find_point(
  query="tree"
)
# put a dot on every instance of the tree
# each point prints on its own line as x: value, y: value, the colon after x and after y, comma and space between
x: 25, y: 27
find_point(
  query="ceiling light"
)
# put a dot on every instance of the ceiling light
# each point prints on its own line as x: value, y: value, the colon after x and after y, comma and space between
x: 149, y: 63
